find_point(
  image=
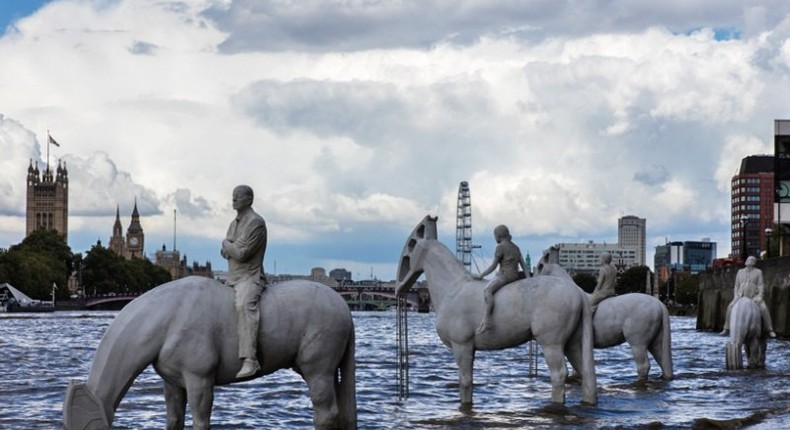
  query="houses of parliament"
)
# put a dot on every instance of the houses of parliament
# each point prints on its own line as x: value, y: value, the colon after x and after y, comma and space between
x: 47, y: 208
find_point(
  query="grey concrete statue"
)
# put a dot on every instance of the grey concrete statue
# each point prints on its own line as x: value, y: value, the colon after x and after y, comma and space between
x: 747, y: 333
x: 607, y: 278
x: 749, y: 283
x: 186, y: 329
x: 636, y: 318
x: 244, y: 247
x: 507, y: 256
x: 552, y: 310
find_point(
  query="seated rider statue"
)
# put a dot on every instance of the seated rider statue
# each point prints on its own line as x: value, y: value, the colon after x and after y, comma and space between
x: 244, y: 247
x: 607, y: 278
x: 749, y: 283
x: 508, y: 257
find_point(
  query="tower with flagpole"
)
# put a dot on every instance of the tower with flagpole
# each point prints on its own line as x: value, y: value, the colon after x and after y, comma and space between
x: 47, y: 196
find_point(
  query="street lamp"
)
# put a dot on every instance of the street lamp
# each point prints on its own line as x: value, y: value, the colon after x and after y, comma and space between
x: 744, y: 218
x: 768, y: 232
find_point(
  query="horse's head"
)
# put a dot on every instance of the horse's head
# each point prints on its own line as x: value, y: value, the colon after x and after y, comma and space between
x: 550, y: 257
x: 410, y: 262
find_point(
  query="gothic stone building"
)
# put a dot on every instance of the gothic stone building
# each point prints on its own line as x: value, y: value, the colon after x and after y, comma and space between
x: 131, y: 245
x: 48, y: 200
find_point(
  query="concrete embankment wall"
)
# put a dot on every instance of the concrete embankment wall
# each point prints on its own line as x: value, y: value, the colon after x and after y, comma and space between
x: 716, y: 290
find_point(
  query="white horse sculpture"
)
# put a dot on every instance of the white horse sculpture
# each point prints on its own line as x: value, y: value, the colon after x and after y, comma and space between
x: 639, y: 319
x: 186, y: 329
x: 746, y: 331
x: 550, y: 309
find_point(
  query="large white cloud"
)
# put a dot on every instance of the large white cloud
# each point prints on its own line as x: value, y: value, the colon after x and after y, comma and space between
x: 352, y: 117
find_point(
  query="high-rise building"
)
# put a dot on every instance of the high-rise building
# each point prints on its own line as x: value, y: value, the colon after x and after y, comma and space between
x: 47, y: 200
x: 631, y: 232
x: 752, y: 205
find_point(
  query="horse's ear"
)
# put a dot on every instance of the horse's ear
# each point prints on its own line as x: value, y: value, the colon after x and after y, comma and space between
x: 430, y: 227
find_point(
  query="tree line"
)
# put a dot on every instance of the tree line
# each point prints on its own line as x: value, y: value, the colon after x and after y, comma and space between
x: 44, y: 258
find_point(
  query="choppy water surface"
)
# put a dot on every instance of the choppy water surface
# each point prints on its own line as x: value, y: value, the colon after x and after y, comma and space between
x: 39, y: 354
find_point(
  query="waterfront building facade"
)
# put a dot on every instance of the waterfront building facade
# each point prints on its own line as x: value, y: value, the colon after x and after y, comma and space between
x: 752, y: 206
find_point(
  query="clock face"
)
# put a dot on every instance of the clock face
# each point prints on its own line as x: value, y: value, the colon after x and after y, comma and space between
x: 133, y: 241
x: 784, y: 191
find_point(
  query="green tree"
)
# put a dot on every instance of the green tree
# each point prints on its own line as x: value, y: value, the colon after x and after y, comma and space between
x: 106, y: 272
x: 43, y: 258
x: 585, y: 281
x: 687, y: 291
x: 103, y: 271
x: 632, y: 280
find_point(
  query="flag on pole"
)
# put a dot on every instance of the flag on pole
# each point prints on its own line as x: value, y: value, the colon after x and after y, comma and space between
x: 52, y: 141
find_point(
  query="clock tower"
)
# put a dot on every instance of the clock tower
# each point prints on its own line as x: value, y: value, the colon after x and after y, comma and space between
x: 135, y: 237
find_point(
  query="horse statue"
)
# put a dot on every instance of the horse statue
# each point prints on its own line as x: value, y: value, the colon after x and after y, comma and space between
x: 746, y: 330
x: 186, y: 329
x: 639, y: 319
x: 550, y: 309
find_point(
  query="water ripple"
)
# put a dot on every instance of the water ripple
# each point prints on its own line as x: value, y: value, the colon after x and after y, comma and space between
x: 39, y: 354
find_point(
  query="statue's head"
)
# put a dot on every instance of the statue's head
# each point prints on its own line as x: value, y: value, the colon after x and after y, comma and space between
x: 501, y: 232
x: 606, y: 258
x: 242, y: 197
x: 750, y: 262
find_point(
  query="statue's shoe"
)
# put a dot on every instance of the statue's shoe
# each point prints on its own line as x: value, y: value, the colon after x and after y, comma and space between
x: 771, y: 334
x: 724, y: 332
x: 249, y: 368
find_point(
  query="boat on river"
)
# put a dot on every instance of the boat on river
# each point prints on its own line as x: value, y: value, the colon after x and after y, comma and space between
x: 13, y: 300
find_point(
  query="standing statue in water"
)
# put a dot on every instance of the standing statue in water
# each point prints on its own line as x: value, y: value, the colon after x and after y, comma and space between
x: 508, y: 257
x: 244, y: 247
x: 749, y: 283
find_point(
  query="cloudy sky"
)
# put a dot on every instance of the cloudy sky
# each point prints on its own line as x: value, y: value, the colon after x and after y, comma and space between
x: 353, y: 119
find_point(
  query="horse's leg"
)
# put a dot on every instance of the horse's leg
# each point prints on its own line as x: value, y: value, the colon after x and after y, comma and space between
x: 321, y: 386
x: 465, y: 358
x: 573, y: 351
x: 200, y: 396
x: 555, y: 360
x: 642, y: 363
x: 176, y: 401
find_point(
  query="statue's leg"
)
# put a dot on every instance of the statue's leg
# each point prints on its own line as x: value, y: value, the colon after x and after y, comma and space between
x: 321, y: 386
x: 555, y: 360
x: 642, y: 363
x: 200, y: 395
x: 176, y: 401
x: 464, y: 358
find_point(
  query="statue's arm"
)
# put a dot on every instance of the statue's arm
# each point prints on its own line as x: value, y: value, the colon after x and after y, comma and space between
x: 760, y: 285
x: 494, y: 264
x: 247, y: 244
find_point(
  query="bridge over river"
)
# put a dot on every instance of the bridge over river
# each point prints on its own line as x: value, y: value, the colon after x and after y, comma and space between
x: 358, y: 297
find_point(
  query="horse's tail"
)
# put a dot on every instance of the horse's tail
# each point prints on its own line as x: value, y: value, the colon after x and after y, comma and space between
x: 666, y: 345
x: 589, y: 387
x: 346, y: 391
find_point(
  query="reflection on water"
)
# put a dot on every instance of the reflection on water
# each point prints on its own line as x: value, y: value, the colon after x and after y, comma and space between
x: 39, y: 354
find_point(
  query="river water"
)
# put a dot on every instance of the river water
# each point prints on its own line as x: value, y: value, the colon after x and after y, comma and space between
x: 40, y: 353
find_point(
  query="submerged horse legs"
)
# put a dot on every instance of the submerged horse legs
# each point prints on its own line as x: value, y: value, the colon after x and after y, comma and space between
x: 464, y: 358
x: 642, y: 363
x: 176, y: 401
x: 555, y: 360
x: 323, y: 395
